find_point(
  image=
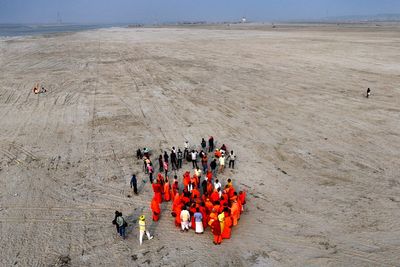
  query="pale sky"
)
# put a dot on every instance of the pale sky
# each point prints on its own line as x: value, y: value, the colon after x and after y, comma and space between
x: 150, y: 11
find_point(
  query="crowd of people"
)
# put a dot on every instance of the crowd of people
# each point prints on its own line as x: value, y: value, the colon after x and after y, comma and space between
x: 200, y: 200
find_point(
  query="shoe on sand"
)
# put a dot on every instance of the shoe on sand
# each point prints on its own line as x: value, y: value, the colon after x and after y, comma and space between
x: 151, y: 237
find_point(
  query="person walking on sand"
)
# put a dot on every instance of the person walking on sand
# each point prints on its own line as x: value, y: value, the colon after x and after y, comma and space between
x: 213, y: 166
x: 166, y: 157
x: 142, y: 229
x: 194, y: 158
x: 117, y: 214
x: 186, y: 149
x: 211, y: 144
x: 222, y: 164
x: 203, y: 144
x: 134, y: 184
x: 232, y: 158
x: 150, y: 171
x: 121, y: 225
x: 174, y: 163
x: 368, y: 92
x: 160, y: 163
x: 185, y: 219
x: 180, y: 157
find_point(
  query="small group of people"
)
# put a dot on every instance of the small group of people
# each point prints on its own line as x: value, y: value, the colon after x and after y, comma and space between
x: 37, y: 89
x: 216, y: 207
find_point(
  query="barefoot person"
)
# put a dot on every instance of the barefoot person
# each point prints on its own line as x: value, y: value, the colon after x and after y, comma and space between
x: 198, y: 218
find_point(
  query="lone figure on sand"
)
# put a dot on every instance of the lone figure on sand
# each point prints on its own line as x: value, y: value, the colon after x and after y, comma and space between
x: 368, y: 92
x: 142, y: 229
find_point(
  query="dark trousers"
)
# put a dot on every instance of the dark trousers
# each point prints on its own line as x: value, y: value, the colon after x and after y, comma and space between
x: 210, y: 147
x: 151, y: 177
x: 174, y: 164
x: 121, y: 231
x: 194, y: 163
x: 185, y: 153
x: 232, y: 162
x: 179, y: 163
x: 135, y: 188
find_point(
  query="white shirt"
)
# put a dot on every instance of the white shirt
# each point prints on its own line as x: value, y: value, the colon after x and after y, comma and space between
x: 217, y: 185
x: 185, y: 216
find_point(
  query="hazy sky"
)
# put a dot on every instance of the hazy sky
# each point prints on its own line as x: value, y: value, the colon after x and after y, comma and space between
x: 150, y: 11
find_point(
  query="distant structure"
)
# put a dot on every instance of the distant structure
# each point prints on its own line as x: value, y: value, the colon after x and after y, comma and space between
x: 59, y: 20
x: 244, y: 20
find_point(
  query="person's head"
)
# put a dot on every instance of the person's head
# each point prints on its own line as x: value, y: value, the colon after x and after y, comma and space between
x: 192, y: 150
x: 175, y: 176
x: 142, y: 218
x: 216, y: 181
x: 133, y: 175
x: 235, y: 193
x: 197, y: 210
x: 229, y: 180
x: 197, y: 168
x: 179, y: 150
x: 219, y: 189
x: 173, y: 148
x: 215, y: 160
x: 217, y: 202
x: 231, y: 152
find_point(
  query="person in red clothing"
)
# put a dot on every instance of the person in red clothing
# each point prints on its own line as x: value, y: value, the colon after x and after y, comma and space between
x: 209, y: 205
x: 214, y: 196
x: 175, y: 189
x: 195, y: 193
x: 157, y: 191
x: 216, y: 230
x: 167, y: 191
x: 186, y: 179
x: 226, y: 233
x: 203, y: 211
x: 155, y: 207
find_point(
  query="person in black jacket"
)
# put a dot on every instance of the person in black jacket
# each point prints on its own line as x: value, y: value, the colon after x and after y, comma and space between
x: 174, y: 163
x: 134, y: 184
x: 211, y: 144
x: 117, y: 214
x: 213, y: 166
x: 180, y: 157
x: 160, y: 163
x: 166, y: 157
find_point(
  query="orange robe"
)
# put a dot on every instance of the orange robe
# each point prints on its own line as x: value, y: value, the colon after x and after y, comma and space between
x: 226, y: 233
x: 167, y: 196
x: 195, y: 193
x: 157, y: 192
x: 155, y: 207
x: 235, y: 211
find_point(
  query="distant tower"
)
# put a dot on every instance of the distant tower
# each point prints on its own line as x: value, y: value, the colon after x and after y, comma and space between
x: 59, y: 20
x: 244, y: 20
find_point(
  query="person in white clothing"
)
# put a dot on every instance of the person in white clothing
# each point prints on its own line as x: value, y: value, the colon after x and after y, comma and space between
x: 217, y: 184
x: 185, y: 220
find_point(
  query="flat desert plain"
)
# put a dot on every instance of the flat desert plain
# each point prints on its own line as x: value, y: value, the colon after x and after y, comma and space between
x: 319, y: 161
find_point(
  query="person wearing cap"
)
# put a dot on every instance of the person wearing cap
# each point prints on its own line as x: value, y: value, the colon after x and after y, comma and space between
x: 142, y: 229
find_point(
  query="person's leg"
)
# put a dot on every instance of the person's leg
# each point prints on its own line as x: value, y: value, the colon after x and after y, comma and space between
x: 233, y: 164
x: 135, y: 189
x: 148, y: 235
x: 141, y: 237
x: 193, y: 164
x: 123, y: 232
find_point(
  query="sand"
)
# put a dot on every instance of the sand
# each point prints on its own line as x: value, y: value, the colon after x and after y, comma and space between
x: 320, y: 162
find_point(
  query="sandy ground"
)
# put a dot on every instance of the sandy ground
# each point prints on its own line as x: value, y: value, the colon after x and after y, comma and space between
x: 320, y: 162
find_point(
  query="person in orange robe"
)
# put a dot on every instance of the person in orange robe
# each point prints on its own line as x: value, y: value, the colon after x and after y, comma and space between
x: 235, y: 212
x: 195, y: 181
x: 210, y: 188
x: 216, y: 230
x: 226, y: 233
x: 192, y: 211
x: 167, y: 195
x: 186, y: 179
x: 209, y: 175
x: 157, y: 191
x: 155, y: 207
x: 195, y: 193
x: 175, y: 189
x: 177, y: 211
x: 214, y: 196
x: 176, y: 202
x: 209, y: 205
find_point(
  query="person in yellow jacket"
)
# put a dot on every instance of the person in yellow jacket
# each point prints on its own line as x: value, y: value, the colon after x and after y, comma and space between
x: 221, y: 219
x: 142, y: 229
